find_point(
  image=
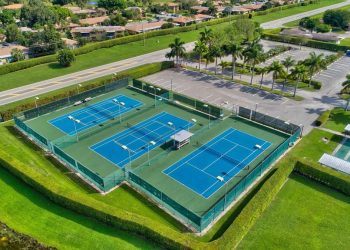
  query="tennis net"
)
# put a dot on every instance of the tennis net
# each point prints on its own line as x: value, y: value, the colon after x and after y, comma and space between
x: 217, y: 153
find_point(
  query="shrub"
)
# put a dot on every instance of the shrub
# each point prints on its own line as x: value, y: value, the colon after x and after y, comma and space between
x: 322, y: 119
x: 65, y: 57
x: 323, y: 28
x: 316, y: 84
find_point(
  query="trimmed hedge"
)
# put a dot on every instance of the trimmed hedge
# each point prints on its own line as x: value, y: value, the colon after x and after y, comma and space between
x: 254, y: 209
x: 136, y: 72
x: 322, y: 119
x: 308, y: 42
x: 325, y: 175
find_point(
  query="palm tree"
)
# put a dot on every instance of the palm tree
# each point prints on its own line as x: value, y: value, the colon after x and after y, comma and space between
x: 262, y: 71
x: 298, y: 73
x: 177, y: 49
x: 346, y: 85
x: 253, y: 54
x: 216, y: 52
x: 200, y: 49
x: 314, y: 63
x: 206, y: 35
x: 287, y: 63
x: 223, y: 65
x: 277, y: 69
x: 235, y: 50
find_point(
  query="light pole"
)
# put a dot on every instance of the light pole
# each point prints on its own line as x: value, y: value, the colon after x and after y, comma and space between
x: 194, y: 121
x: 125, y: 169
x: 207, y: 106
x: 220, y: 178
x: 172, y: 126
x: 155, y: 94
x: 36, y: 103
x: 78, y: 88
x: 119, y: 105
x: 150, y: 143
x: 75, y: 121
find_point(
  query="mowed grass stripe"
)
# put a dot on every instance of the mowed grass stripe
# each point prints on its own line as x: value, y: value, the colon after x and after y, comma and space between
x: 30, y: 213
x: 304, y: 215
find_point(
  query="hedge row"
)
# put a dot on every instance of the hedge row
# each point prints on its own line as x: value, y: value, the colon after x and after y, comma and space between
x: 136, y: 72
x: 323, y: 118
x: 324, y: 175
x: 305, y: 42
x: 112, y: 216
x: 254, y: 209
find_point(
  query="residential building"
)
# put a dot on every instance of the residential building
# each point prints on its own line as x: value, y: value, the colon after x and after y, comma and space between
x: 173, y: 7
x: 98, y: 33
x: 5, y: 53
x: 200, y: 9
x: 91, y: 21
x: 140, y: 27
x: 16, y: 6
x: 70, y: 43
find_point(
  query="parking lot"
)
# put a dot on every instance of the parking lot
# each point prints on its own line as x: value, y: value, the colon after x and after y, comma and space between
x: 227, y: 94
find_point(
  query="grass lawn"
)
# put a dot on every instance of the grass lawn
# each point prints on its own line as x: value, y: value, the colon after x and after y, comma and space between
x: 345, y: 42
x: 304, y: 215
x: 30, y: 213
x: 120, y: 52
x: 338, y: 120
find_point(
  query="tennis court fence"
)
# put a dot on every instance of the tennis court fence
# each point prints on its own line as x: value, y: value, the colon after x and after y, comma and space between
x: 201, y: 222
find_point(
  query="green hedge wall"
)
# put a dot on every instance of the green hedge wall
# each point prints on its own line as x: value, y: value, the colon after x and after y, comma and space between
x: 308, y: 42
x: 325, y: 175
x: 323, y: 118
x: 136, y: 72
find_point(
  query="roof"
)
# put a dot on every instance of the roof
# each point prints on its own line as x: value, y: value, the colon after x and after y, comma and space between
x: 27, y: 29
x: 98, y: 28
x: 347, y: 128
x: 183, y: 19
x: 78, y: 10
x: 200, y: 8
x: 139, y: 27
x: 335, y: 163
x: 200, y: 17
x: 253, y: 6
x: 5, y: 52
x: 16, y: 6
x: 94, y: 20
x: 173, y: 4
x: 181, y: 136
x: 69, y: 41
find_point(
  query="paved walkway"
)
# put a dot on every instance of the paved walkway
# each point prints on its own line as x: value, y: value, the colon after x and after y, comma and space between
x: 38, y: 88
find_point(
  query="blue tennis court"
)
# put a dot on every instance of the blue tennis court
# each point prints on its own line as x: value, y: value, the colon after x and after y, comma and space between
x: 224, y: 156
x: 138, y: 139
x: 95, y: 114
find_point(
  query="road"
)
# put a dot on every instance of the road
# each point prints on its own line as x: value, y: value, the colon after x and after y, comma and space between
x: 41, y: 87
x: 279, y: 22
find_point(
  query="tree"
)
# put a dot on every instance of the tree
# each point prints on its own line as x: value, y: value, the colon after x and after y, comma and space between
x: 177, y: 49
x: 308, y: 23
x: 314, y: 63
x: 346, y: 85
x: 206, y: 36
x: 36, y: 13
x: 45, y: 42
x: 116, y: 20
x: 215, y: 51
x: 17, y: 55
x: 287, y: 63
x: 337, y: 18
x: 262, y: 71
x: 224, y: 65
x: 200, y: 49
x: 234, y: 49
x: 252, y: 54
x: 6, y: 17
x: 65, y: 57
x: 13, y: 34
x: 277, y: 69
x: 112, y: 5
x: 299, y: 74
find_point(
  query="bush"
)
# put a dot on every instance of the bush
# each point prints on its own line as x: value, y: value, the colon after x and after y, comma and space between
x: 65, y: 57
x: 316, y: 84
x: 323, y: 28
x: 323, y: 118
x: 325, y: 175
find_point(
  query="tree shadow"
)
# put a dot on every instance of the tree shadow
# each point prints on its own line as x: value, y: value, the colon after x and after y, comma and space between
x: 55, y: 65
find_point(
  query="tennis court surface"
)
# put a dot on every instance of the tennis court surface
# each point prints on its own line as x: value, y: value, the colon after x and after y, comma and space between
x: 140, y: 138
x: 224, y: 157
x: 95, y: 114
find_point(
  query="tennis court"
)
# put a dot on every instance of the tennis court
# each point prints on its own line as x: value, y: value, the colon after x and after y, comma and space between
x: 215, y: 163
x: 141, y: 138
x: 95, y: 114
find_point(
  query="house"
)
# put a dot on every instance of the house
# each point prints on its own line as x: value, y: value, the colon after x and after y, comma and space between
x: 27, y: 29
x: 202, y: 18
x: 16, y: 6
x: 252, y: 7
x: 97, y: 33
x: 140, y: 27
x: 91, y: 21
x: 184, y: 20
x: 200, y: 9
x: 71, y: 44
x: 86, y: 12
x: 326, y: 37
x: 173, y: 7
x: 5, y: 53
